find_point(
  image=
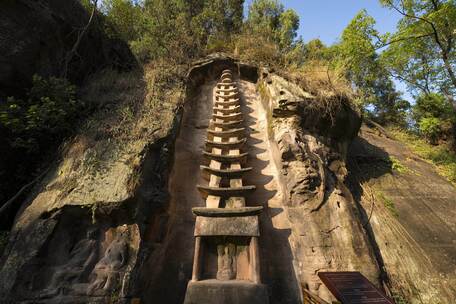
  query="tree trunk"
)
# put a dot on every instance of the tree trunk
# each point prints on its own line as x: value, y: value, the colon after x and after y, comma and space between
x: 449, y: 69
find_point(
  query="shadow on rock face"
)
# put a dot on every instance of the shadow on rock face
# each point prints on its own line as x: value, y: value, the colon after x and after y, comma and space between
x: 408, y: 215
x: 276, y: 257
x: 366, y: 161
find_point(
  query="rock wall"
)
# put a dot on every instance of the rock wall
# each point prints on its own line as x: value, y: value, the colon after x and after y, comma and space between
x: 311, y: 145
x: 36, y: 36
x: 410, y: 216
x: 77, y: 237
x: 91, y: 228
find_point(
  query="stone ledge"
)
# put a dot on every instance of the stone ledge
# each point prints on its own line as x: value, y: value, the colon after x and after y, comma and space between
x: 233, y: 226
x: 226, y: 292
x: 226, y: 212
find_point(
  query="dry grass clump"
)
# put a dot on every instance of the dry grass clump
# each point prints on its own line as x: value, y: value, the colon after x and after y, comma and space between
x: 133, y: 105
x: 222, y: 45
x: 164, y: 93
x: 317, y: 78
x: 114, y: 97
x: 130, y: 110
x: 328, y: 85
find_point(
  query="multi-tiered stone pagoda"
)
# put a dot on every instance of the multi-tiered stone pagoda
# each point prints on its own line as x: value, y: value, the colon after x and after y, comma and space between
x: 226, y: 261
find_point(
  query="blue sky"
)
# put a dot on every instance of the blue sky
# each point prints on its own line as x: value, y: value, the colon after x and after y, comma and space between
x: 326, y: 19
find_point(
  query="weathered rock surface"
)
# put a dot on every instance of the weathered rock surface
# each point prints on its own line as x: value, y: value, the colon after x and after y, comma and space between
x: 77, y: 237
x: 310, y: 145
x: 37, y: 37
x: 416, y: 243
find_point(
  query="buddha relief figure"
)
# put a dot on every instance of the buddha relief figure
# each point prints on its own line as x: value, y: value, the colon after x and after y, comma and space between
x: 226, y: 262
x: 106, y: 271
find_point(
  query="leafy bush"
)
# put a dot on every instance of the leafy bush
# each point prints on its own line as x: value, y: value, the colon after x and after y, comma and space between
x: 48, y: 111
x: 432, y: 105
x: 430, y: 128
x: 434, y: 116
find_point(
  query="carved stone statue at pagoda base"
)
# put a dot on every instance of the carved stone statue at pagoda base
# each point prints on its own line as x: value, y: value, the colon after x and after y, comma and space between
x: 226, y: 262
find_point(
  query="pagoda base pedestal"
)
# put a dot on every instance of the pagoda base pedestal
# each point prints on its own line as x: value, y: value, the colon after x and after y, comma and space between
x: 226, y: 292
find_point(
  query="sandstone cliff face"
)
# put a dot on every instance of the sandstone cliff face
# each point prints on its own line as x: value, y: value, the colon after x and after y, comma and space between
x: 410, y: 216
x: 37, y: 37
x: 77, y: 237
x: 311, y: 146
x: 112, y: 221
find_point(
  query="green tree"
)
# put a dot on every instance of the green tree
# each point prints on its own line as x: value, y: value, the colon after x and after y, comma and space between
x: 289, y: 24
x: 357, y: 51
x: 422, y: 51
x: 218, y: 20
x: 315, y: 49
x: 176, y: 29
x: 269, y: 19
x: 264, y: 17
x: 357, y: 55
x: 434, y: 116
x: 124, y: 17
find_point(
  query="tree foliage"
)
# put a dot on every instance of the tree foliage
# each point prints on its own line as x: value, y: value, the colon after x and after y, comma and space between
x: 48, y: 112
x: 357, y: 53
x: 422, y: 51
x: 176, y: 29
x: 434, y: 116
x: 269, y: 19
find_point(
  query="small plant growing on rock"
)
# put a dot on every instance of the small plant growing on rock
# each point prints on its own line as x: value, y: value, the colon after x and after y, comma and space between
x: 397, y: 165
x: 388, y: 203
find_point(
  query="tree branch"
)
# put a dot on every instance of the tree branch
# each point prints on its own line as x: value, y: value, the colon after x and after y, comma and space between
x: 443, y: 50
x: 435, y: 4
x: 403, y: 39
x: 434, y: 29
x: 21, y: 191
x: 81, y: 34
x: 408, y: 81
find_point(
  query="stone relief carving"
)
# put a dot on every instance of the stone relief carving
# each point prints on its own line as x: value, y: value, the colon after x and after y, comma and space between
x: 226, y: 262
x: 81, y: 258
x: 107, y: 270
